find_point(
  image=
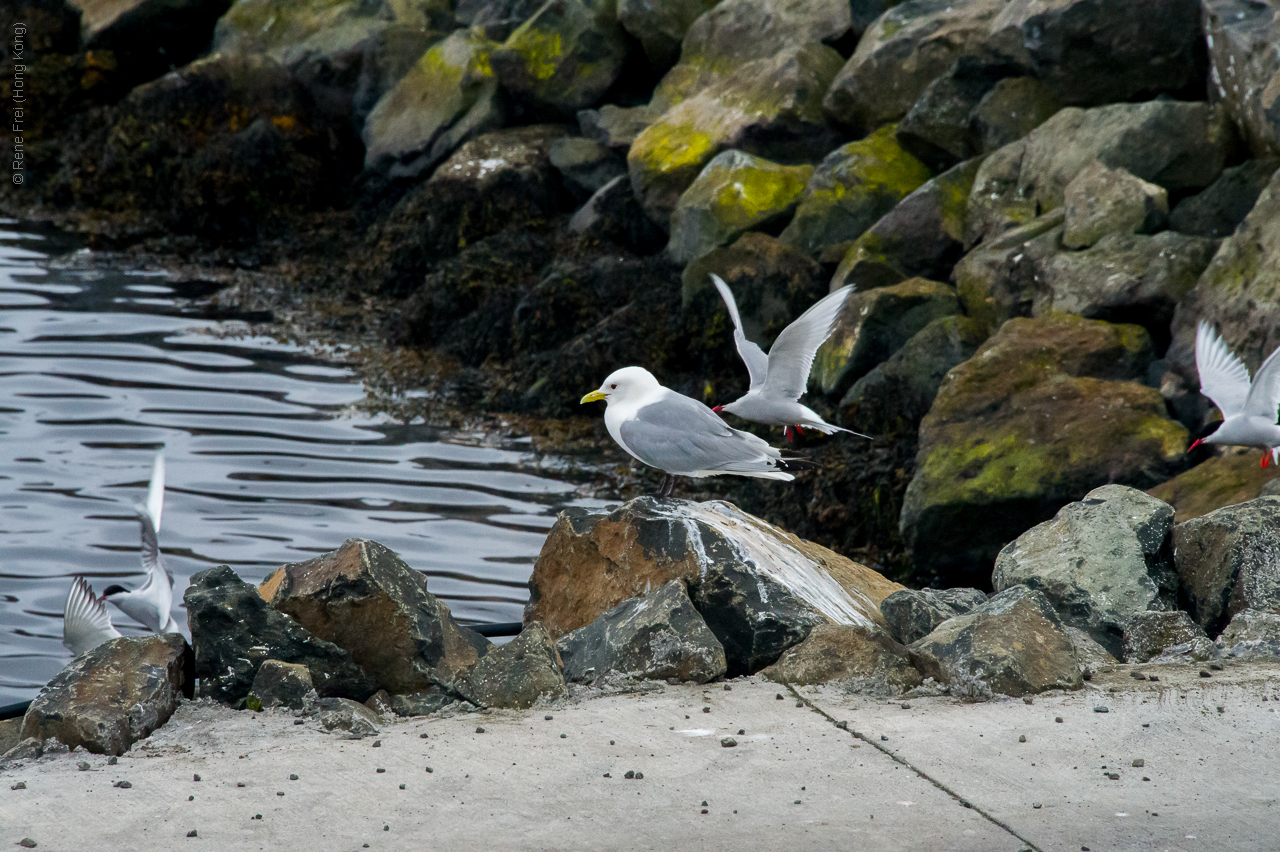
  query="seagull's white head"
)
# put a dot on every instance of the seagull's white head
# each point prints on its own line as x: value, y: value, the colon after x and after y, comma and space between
x: 625, y: 384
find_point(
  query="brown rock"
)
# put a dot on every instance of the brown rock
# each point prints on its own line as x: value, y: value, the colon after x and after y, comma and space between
x: 862, y: 659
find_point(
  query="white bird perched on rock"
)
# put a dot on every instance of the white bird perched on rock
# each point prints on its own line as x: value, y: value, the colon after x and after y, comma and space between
x: 679, y: 435
x: 86, y: 624
x: 779, y: 378
x: 1248, y: 409
x: 150, y: 603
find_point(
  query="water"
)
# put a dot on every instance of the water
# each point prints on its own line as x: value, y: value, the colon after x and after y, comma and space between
x: 266, y: 462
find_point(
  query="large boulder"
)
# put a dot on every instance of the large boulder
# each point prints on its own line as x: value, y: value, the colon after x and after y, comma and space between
x: 939, y: 128
x: 997, y: 280
x: 280, y: 684
x: 913, y: 614
x: 1101, y: 201
x: 111, y: 697
x: 859, y: 659
x: 1044, y: 412
x: 148, y: 36
x: 1013, y: 107
x: 1218, y: 210
x: 661, y: 27
x: 734, y: 193
x: 1227, y: 563
x: 1099, y: 561
x: 1152, y: 634
x: 759, y: 589
x: 852, y: 187
x: 366, y: 600
x: 517, y: 674
x: 1244, y: 68
x: 1224, y: 480
x: 657, y: 636
x: 1252, y: 634
x: 1013, y: 644
x: 234, y: 633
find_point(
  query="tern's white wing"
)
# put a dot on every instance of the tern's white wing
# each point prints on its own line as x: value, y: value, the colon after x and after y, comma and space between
x: 1223, y: 377
x: 757, y: 362
x: 86, y: 624
x: 791, y: 357
x: 1264, y: 395
x: 155, y: 492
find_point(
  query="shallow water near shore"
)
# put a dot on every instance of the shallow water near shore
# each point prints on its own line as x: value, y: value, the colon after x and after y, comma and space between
x: 267, y: 461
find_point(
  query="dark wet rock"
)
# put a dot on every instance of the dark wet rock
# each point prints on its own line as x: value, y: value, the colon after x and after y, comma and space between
x: 759, y: 589
x: 897, y: 393
x: 1252, y: 635
x: 851, y: 189
x: 939, y: 129
x: 735, y: 192
x: 768, y: 107
x: 912, y: 614
x: 1149, y: 634
x: 859, y: 659
x: 1013, y: 644
x: 612, y: 214
x: 111, y: 697
x: 1219, y: 209
x: 1012, y: 108
x: 148, y: 36
x: 997, y: 280
x: 564, y: 57
x: 1226, y: 561
x: 585, y: 166
x: 1100, y: 561
x: 343, y: 714
x: 448, y: 97
x: 280, y: 684
x: 899, y: 55
x: 1101, y: 201
x: 923, y: 235
x: 874, y: 325
x: 1091, y: 53
x: 616, y: 127
x: 518, y: 673
x: 1224, y: 480
x: 1244, y: 68
x: 660, y: 27
x: 365, y: 599
x: 1040, y: 414
x: 657, y: 636
x: 234, y: 631
x: 422, y: 703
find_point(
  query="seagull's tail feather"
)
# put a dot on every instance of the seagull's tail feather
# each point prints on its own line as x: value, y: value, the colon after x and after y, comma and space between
x: 829, y: 429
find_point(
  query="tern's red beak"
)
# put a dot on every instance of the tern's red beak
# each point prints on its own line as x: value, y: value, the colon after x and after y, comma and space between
x: 1197, y: 442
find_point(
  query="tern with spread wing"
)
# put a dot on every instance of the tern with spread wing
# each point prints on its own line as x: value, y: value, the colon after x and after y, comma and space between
x: 150, y: 603
x: 86, y: 624
x: 779, y: 378
x: 1248, y: 408
x: 679, y: 435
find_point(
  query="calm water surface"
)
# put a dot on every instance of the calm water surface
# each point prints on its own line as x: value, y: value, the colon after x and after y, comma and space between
x: 266, y: 461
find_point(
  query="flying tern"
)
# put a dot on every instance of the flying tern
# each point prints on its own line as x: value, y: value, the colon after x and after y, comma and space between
x: 86, y: 624
x: 1248, y: 408
x: 150, y: 603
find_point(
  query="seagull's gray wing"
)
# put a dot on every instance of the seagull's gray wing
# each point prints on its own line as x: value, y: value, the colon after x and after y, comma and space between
x: 1264, y: 395
x: 86, y: 624
x: 681, y: 435
x: 1223, y: 377
x: 791, y: 356
x: 752, y: 355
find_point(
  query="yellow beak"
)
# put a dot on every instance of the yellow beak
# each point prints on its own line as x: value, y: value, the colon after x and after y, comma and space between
x: 593, y: 396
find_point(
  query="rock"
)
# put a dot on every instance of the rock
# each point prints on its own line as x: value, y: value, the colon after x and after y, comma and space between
x: 343, y: 714
x: 858, y: 658
x: 10, y: 733
x: 1100, y: 561
x: 853, y: 187
x: 366, y: 600
x: 939, y: 127
x: 518, y: 673
x: 616, y: 127
x: 1013, y: 107
x: 380, y: 704
x: 612, y: 214
x: 448, y: 97
x: 234, y: 632
x: 30, y: 748
x: 734, y: 193
x: 766, y: 107
x: 1252, y: 635
x: 998, y: 201
x: 997, y: 281
x: 912, y: 614
x: 280, y: 684
x: 1089, y: 653
x: 660, y: 27
x: 148, y: 36
x: 1101, y: 201
x: 656, y: 637
x: 873, y: 325
x: 564, y: 57
x: 1226, y: 561
x: 109, y: 698
x: 421, y: 703
x: 1091, y: 53
x: 585, y: 166
x: 1149, y: 634
x: 759, y: 589
x: 1040, y: 414
x: 1219, y: 209
x: 1244, y: 68
x: 1013, y: 644
x: 923, y: 235
x: 1216, y: 482
x: 897, y: 393
x: 495, y: 18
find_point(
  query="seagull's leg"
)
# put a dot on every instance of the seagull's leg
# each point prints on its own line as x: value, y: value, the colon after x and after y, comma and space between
x: 786, y: 430
x: 668, y: 485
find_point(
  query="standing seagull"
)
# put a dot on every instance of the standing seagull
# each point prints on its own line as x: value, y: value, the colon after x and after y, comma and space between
x: 149, y: 604
x: 679, y: 435
x: 86, y: 624
x: 1248, y: 410
x: 778, y: 379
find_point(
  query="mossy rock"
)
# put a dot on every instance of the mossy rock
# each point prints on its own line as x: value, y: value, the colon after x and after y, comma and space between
x: 854, y: 186
x: 1040, y: 415
x: 736, y: 192
x: 1224, y: 480
x: 996, y: 281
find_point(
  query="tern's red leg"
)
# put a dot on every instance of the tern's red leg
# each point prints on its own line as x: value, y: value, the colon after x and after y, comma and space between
x: 1266, y: 457
x: 786, y: 430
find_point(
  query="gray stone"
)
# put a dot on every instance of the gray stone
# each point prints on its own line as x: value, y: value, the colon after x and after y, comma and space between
x: 1150, y: 634
x: 1229, y: 561
x: 1219, y: 209
x: 1089, y: 653
x: 912, y: 614
x: 234, y: 631
x: 1252, y: 635
x: 1101, y: 201
x: 614, y: 126
x: 495, y: 18
x: 585, y: 166
x: 343, y: 714
x: 998, y: 201
x: 997, y: 281
x: 1013, y: 107
x: 939, y: 129
x: 114, y: 695
x: 857, y: 658
x: 280, y: 684
x: 517, y: 674
x: 1244, y: 68
x: 1099, y: 561
x: 10, y: 733
x: 25, y: 749
x: 661, y: 27
x: 612, y: 214
x: 655, y: 637
x: 422, y: 703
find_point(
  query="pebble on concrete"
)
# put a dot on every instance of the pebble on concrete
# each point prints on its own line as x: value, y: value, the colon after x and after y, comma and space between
x: 192, y: 833
x: 728, y: 742
x: 123, y: 785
